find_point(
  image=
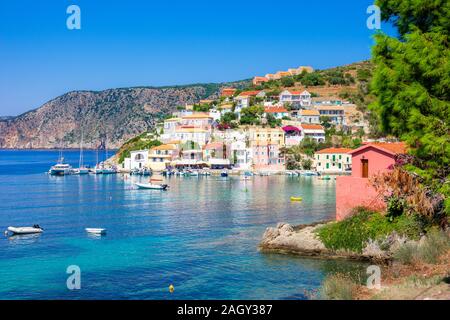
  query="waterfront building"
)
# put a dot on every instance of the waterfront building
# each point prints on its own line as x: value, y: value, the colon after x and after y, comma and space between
x: 161, y: 156
x: 267, y: 156
x: 333, y: 160
x: 293, y: 135
x: 241, y: 155
x: 138, y: 159
x: 356, y: 190
x: 259, y: 135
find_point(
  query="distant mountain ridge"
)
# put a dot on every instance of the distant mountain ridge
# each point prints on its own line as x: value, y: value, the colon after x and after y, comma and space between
x: 112, y: 115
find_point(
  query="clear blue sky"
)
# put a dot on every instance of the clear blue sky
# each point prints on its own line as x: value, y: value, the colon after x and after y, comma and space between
x: 153, y: 43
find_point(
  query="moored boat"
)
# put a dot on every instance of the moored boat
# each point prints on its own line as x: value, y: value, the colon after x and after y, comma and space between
x: 151, y: 186
x: 60, y: 169
x: 98, y: 231
x: 26, y: 230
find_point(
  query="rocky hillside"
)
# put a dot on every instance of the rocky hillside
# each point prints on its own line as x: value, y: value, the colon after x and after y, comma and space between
x: 114, y: 115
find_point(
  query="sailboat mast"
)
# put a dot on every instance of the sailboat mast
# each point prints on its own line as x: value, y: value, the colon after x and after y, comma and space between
x: 81, y: 164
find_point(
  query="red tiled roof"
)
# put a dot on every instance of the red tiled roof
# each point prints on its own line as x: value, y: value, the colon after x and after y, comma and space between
x: 249, y: 93
x: 394, y: 147
x: 312, y: 126
x: 228, y: 91
x: 275, y: 110
x: 389, y: 147
x: 334, y: 150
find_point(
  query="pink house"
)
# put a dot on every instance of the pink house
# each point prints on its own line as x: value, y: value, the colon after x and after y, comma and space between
x: 267, y: 156
x: 355, y: 190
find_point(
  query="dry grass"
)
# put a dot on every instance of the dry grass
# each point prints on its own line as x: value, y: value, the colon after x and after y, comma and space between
x: 338, y: 287
x: 411, y: 281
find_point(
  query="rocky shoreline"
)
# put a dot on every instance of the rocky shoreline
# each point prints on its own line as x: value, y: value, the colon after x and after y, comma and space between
x: 302, y: 240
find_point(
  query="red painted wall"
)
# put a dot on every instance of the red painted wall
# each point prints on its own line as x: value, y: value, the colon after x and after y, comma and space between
x: 378, y: 161
x: 353, y: 192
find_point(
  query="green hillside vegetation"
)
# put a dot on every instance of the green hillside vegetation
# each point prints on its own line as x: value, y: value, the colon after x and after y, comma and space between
x: 141, y: 142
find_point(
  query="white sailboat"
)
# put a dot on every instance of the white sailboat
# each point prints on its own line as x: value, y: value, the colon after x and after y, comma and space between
x: 81, y: 168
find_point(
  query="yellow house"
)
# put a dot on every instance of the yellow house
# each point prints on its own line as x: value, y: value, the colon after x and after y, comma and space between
x: 159, y: 157
x: 259, y: 136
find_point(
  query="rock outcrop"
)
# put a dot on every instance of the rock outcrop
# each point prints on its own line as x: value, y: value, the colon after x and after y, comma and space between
x: 302, y: 240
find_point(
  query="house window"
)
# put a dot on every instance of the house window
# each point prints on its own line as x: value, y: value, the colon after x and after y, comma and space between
x: 328, y: 157
x: 328, y: 166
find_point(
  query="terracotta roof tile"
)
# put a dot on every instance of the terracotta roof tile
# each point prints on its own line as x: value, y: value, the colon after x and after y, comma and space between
x: 334, y: 150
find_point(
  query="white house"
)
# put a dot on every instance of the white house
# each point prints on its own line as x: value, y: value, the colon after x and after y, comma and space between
x: 215, y: 114
x: 333, y: 160
x: 314, y: 131
x: 295, y: 98
x: 309, y: 116
x: 243, y: 99
x: 192, y: 133
x: 198, y: 120
x: 277, y: 112
x: 336, y: 114
x: 138, y: 159
x: 241, y: 155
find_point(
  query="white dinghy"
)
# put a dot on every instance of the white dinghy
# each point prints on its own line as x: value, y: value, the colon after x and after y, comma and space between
x: 26, y: 230
x: 152, y: 185
x: 96, y: 230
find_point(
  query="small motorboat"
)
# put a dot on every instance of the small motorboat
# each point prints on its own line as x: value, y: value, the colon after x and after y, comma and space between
x: 297, y: 199
x: 224, y: 173
x: 26, y: 230
x: 96, y: 230
x: 152, y: 185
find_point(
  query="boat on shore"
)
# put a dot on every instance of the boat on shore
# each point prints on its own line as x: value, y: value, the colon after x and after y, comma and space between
x: 26, y: 230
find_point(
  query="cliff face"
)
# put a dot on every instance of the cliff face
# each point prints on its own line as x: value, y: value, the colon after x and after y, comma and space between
x: 117, y: 114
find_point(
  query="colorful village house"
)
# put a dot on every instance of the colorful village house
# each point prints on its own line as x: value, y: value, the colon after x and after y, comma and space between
x: 355, y: 190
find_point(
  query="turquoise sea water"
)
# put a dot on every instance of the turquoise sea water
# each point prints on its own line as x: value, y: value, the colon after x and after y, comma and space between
x: 201, y: 235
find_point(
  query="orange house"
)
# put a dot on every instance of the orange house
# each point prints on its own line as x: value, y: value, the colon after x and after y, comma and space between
x: 355, y: 190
